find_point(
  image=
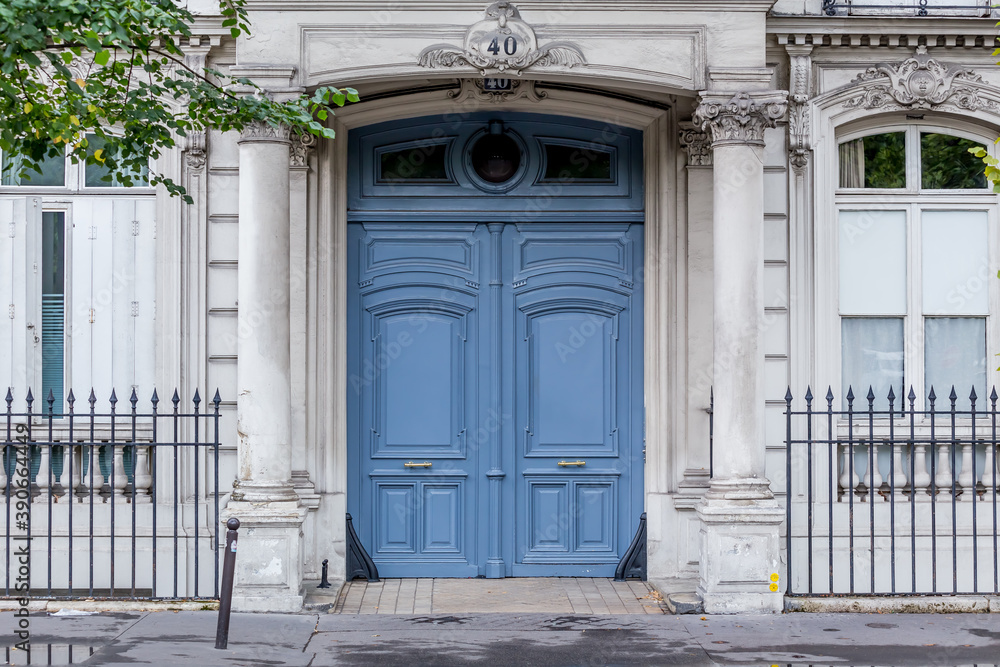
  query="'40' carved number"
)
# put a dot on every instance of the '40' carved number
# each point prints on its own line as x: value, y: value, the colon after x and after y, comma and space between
x: 509, y: 46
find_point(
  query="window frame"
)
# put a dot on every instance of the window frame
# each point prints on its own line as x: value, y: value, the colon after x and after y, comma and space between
x: 75, y: 182
x: 36, y: 291
x: 913, y: 201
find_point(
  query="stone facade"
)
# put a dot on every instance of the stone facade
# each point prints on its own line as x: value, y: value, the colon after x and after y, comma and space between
x: 741, y: 110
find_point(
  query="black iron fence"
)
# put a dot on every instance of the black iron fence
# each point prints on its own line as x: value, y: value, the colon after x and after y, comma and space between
x: 117, y: 503
x: 888, y: 497
x: 907, y: 8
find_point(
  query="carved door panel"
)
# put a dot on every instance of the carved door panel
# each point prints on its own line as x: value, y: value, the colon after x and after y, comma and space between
x: 576, y: 385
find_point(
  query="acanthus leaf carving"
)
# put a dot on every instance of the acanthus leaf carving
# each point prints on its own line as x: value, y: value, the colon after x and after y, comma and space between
x: 262, y: 131
x: 502, y: 43
x: 695, y: 143
x: 920, y: 82
x: 741, y: 118
x: 800, y: 90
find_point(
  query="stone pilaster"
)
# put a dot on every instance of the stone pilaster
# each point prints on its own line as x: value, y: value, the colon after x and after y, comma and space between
x: 269, y: 566
x: 740, y: 518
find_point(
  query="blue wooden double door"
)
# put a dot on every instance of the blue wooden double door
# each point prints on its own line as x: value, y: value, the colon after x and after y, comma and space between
x: 495, y: 396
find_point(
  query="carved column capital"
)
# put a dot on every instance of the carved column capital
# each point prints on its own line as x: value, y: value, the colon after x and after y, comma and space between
x: 302, y: 146
x: 695, y: 143
x: 739, y: 118
x: 266, y: 133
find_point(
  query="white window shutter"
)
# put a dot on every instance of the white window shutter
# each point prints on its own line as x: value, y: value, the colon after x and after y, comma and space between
x: 18, y: 215
x: 145, y: 297
x: 79, y: 316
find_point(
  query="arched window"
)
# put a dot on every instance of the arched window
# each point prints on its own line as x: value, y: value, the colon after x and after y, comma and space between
x: 916, y: 263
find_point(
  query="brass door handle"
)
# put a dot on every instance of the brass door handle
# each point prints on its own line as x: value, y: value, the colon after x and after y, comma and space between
x: 411, y: 464
x: 572, y: 463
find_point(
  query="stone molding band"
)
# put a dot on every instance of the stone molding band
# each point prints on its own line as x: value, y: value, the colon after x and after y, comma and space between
x: 740, y: 118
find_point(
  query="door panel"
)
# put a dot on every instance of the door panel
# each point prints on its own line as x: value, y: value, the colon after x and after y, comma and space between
x: 414, y: 338
x: 570, y: 379
x: 576, y: 386
x: 394, y: 509
x: 528, y: 338
x: 547, y: 506
x: 420, y: 388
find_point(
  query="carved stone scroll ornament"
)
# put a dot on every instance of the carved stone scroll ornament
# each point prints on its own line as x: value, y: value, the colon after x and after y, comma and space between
x: 502, y: 43
x: 741, y: 118
x: 920, y: 82
x: 695, y: 143
x: 302, y: 144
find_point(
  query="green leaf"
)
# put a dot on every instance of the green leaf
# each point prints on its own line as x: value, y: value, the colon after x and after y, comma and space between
x: 102, y: 57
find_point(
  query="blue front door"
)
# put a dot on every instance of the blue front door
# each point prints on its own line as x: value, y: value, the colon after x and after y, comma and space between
x: 495, y: 403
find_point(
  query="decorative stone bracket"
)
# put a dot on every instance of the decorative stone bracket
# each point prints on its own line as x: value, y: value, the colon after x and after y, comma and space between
x: 800, y: 83
x: 740, y: 118
x: 502, y: 43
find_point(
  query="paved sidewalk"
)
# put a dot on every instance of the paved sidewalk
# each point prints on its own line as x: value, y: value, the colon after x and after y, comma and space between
x: 166, y: 639
x: 461, y: 596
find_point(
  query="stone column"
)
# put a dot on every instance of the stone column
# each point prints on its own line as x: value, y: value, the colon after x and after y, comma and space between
x: 739, y: 537
x: 269, y: 566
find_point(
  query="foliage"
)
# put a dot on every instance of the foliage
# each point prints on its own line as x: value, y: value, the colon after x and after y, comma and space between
x: 885, y: 160
x: 116, y: 69
x: 946, y: 163
x: 992, y: 171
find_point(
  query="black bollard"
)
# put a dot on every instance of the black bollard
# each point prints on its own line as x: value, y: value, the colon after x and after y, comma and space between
x: 324, y: 582
x: 226, y: 594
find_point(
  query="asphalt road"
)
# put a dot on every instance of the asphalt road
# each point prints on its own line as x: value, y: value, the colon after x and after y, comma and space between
x: 187, y: 638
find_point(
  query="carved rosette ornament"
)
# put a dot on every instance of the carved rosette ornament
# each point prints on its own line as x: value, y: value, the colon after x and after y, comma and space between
x: 265, y: 132
x: 740, y: 118
x: 920, y: 82
x: 695, y: 143
x: 502, y: 43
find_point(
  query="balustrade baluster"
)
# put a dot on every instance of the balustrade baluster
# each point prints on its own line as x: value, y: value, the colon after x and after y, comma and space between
x: 4, y: 454
x: 965, y: 478
x: 93, y: 478
x: 61, y: 488
x: 898, y: 471
x: 942, y: 476
x: 848, y: 481
x: 921, y: 478
x: 120, y: 478
x: 142, y: 479
x: 76, y: 479
x: 873, y: 477
x: 42, y: 477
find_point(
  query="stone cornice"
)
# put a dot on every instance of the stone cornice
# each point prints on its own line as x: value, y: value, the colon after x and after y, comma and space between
x: 883, y: 31
x: 739, y: 118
